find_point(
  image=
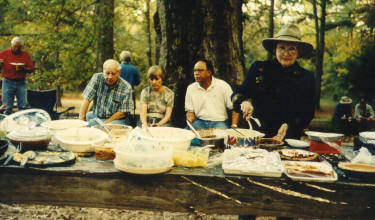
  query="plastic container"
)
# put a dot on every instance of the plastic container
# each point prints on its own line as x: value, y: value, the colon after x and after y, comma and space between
x: 254, y: 162
x: 25, y: 118
x: 80, y: 140
x: 323, y: 148
x: 196, y: 157
x: 143, y: 157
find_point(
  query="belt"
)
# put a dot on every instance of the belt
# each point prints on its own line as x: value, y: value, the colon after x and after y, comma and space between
x: 15, y: 80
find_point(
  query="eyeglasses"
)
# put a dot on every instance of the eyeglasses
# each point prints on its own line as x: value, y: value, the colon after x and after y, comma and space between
x: 199, y: 70
x: 110, y: 73
x: 291, y: 50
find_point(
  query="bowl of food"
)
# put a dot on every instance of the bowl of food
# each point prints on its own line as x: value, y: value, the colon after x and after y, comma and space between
x: 30, y: 138
x: 212, y: 136
x: 242, y: 138
x: 105, y: 151
x: 270, y: 144
x: 176, y: 138
x: 80, y: 140
x: 116, y: 131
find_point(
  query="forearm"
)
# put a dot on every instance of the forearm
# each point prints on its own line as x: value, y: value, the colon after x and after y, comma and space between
x: 167, y: 116
x: 235, y: 118
x: 84, y: 107
x: 190, y: 116
x: 143, y: 114
x: 115, y: 116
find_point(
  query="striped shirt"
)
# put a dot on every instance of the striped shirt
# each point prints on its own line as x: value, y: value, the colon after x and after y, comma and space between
x: 108, y: 99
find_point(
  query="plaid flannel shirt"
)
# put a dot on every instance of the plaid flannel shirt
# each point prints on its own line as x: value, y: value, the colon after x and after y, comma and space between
x: 108, y: 100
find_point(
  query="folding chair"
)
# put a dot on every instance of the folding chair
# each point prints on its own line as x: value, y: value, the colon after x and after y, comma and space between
x: 45, y: 100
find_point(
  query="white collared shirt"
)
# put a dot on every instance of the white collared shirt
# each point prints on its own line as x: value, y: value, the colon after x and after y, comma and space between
x: 210, y: 104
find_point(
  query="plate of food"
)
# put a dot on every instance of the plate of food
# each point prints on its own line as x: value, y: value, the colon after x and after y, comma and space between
x: 309, y: 171
x: 297, y: 154
x: 297, y: 143
x: 46, y: 158
x: 17, y: 64
x: 359, y: 170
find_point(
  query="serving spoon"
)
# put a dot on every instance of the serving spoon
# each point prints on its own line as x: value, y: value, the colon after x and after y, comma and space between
x: 193, y: 129
x: 101, y: 123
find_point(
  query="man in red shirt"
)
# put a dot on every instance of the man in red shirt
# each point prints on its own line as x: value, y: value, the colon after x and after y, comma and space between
x: 15, y: 63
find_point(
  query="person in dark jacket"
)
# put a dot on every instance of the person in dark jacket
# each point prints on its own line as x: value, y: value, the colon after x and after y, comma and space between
x: 343, y: 116
x: 279, y: 92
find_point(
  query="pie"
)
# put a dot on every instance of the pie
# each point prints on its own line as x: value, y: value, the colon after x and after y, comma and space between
x: 297, y: 154
x: 304, y: 167
x: 357, y: 167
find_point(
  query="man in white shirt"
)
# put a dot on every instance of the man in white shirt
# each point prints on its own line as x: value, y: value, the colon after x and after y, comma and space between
x: 207, y: 99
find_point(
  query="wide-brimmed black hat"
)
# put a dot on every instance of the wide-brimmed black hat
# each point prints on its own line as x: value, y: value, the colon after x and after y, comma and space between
x: 289, y: 33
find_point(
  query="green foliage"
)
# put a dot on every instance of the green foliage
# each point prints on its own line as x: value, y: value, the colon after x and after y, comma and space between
x: 361, y: 73
x: 61, y: 37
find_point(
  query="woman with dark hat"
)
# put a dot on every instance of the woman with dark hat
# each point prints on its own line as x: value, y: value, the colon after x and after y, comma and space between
x: 279, y: 92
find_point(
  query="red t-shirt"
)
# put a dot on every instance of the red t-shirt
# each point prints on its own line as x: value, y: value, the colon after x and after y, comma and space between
x: 9, y: 70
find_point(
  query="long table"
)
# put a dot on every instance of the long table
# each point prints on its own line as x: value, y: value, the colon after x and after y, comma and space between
x: 93, y: 183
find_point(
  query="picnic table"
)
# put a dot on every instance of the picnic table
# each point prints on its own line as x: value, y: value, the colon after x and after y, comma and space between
x: 93, y: 183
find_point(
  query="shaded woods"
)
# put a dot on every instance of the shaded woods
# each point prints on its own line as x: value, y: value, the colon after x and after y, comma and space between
x: 68, y: 40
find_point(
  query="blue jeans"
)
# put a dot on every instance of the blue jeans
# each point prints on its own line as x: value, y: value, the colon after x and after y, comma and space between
x: 203, y: 124
x: 90, y: 119
x: 10, y: 89
x: 153, y: 120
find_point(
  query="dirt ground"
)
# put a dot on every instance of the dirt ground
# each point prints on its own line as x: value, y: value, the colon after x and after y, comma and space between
x: 44, y: 212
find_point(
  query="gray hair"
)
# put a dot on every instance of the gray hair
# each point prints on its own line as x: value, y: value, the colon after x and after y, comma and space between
x: 125, y: 56
x: 17, y: 40
x: 111, y: 62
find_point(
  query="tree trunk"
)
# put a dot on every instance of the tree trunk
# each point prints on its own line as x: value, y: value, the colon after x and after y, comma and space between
x: 319, y: 56
x: 148, y: 32
x: 193, y: 29
x: 105, y: 12
x: 157, y: 37
x: 271, y: 25
x: 321, y: 52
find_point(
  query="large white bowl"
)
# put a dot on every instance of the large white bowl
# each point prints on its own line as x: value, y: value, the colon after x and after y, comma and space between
x: 177, y: 138
x: 80, y: 139
x: 57, y: 125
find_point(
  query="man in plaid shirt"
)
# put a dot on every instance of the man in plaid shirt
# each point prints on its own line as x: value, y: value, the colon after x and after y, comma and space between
x: 111, y: 96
